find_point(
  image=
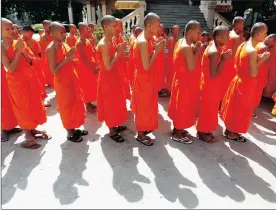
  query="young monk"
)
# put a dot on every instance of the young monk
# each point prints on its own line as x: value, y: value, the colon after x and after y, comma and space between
x: 132, y: 36
x: 71, y: 39
x: 23, y: 85
x: 228, y: 72
x: 186, y: 83
x: 27, y: 34
x: 86, y: 67
x: 212, y: 64
x: 130, y: 73
x: 144, y: 101
x: 262, y: 77
x: 16, y: 29
x: 238, y: 104
x: 8, y: 120
x: 92, y: 37
x: 122, y: 62
x: 172, y: 40
x: 111, y: 100
x: 68, y: 92
x: 45, y: 40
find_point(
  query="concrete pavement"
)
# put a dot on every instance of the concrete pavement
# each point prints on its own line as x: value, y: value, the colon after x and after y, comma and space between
x: 99, y: 173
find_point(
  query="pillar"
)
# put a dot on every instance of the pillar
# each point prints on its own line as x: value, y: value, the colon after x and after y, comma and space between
x: 93, y: 12
x: 211, y: 13
x: 70, y: 13
x: 88, y: 11
x: 142, y: 14
x: 103, y: 7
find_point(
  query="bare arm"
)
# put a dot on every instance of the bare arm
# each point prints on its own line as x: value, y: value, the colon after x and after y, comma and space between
x: 147, y: 60
x: 189, y: 57
x: 84, y: 58
x: 10, y: 66
x: 215, y: 64
x: 51, y: 57
x: 107, y: 60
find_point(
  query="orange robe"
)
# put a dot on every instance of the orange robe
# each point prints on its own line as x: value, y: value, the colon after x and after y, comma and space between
x: 209, y: 97
x: 130, y: 69
x: 38, y: 65
x: 160, y: 69
x: 110, y: 99
x: 183, y: 106
x: 274, y: 108
x: 8, y: 120
x: 261, y: 78
x: 270, y: 89
x: 87, y: 78
x: 122, y: 69
x: 170, y: 67
x: 68, y: 92
x: 71, y: 41
x: 228, y: 71
x: 49, y: 77
x: 25, y: 92
x: 238, y: 104
x: 144, y: 101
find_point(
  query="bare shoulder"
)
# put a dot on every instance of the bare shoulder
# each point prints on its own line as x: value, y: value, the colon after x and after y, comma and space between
x: 249, y: 48
x: 213, y: 50
x: 50, y: 48
x: 142, y: 41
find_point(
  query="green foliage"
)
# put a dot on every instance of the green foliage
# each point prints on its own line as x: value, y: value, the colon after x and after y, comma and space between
x: 267, y: 9
x: 98, y: 33
x: 37, y: 27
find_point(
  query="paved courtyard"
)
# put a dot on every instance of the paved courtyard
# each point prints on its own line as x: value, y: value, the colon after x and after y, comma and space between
x: 99, y: 173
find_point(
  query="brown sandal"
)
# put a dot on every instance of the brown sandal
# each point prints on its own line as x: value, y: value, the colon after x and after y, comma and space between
x: 41, y: 135
x: 201, y: 137
x: 147, y: 141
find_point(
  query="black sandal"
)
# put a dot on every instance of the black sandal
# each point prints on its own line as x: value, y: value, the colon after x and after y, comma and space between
x: 120, y: 129
x: 117, y: 138
x: 82, y: 132
x: 76, y: 137
x: 147, y: 141
x: 239, y: 137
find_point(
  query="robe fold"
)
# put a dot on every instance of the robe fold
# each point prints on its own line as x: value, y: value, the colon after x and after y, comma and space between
x: 88, y: 80
x: 184, y: 101
x: 111, y: 101
x: 130, y: 64
x: 170, y: 68
x: 71, y: 41
x: 68, y: 92
x: 8, y: 120
x: 25, y: 92
x: 160, y: 70
x: 144, y: 102
x: 209, y: 97
x: 238, y: 104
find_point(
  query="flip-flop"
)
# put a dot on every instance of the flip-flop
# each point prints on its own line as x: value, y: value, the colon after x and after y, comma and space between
x: 240, y: 138
x: 182, y: 140
x: 117, y: 138
x: 120, y: 129
x: 82, y: 132
x: 27, y: 145
x: 149, y: 140
x: 76, y: 137
x: 42, y: 135
x: 213, y: 139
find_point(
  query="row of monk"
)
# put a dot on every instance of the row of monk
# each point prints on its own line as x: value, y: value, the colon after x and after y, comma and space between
x: 225, y: 76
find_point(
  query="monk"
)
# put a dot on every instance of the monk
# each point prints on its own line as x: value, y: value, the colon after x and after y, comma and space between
x: 86, y: 67
x: 45, y: 40
x: 8, y: 120
x: 71, y: 39
x: 122, y: 62
x: 16, y: 29
x: 144, y: 101
x: 262, y: 77
x: 161, y: 62
x: 184, y: 100
x: 66, y: 83
x: 238, y: 104
x: 130, y: 72
x: 111, y: 100
x: 23, y: 85
x: 213, y: 61
x: 28, y: 32
x: 172, y: 40
x: 228, y: 72
x: 92, y: 37
x: 270, y: 88
x: 132, y: 36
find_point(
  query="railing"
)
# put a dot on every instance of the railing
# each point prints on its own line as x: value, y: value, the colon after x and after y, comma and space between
x: 220, y: 21
x: 134, y: 18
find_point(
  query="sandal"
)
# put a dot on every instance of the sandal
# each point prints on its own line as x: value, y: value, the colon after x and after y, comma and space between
x: 239, y: 137
x: 4, y: 136
x: 147, y: 141
x: 82, y: 132
x: 42, y: 135
x: 147, y: 132
x: 117, y: 138
x: 14, y: 130
x: 183, y: 131
x: 76, y: 137
x: 120, y: 129
x: 210, y: 141
x: 30, y: 145
x: 184, y: 140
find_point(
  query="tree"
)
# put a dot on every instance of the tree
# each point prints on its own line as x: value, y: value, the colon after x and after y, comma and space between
x: 268, y: 9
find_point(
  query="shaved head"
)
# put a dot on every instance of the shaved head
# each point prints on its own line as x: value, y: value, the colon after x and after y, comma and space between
x: 107, y: 19
x: 237, y: 20
x: 55, y: 25
x: 191, y: 25
x: 219, y: 30
x: 72, y: 26
x: 7, y: 31
x: 5, y: 21
x: 138, y: 31
x: 176, y: 27
x: 270, y: 40
x: 151, y: 18
x: 82, y: 25
x: 257, y: 28
x: 46, y: 22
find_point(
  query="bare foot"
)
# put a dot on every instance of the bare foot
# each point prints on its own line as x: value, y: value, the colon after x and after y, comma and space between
x: 30, y: 142
x: 41, y: 134
x: 207, y: 137
x: 181, y: 136
x: 142, y: 138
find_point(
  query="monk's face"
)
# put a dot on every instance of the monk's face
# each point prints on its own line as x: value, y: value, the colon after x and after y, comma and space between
x: 111, y: 27
x: 224, y: 38
x: 8, y: 30
x: 46, y: 27
x: 59, y: 33
x: 119, y: 27
x: 204, y: 38
x: 91, y: 28
x: 155, y: 26
x: 73, y: 30
x: 85, y: 31
x: 239, y: 26
x: 175, y: 31
x: 262, y: 35
x: 27, y: 34
x: 195, y: 34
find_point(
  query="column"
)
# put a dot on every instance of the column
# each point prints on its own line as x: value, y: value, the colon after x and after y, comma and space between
x: 211, y: 13
x: 142, y: 13
x: 93, y: 12
x: 103, y: 7
x: 88, y: 11
x: 70, y: 13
